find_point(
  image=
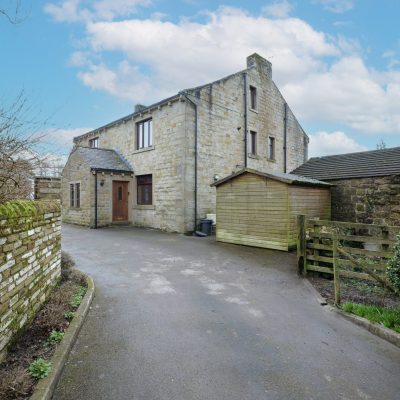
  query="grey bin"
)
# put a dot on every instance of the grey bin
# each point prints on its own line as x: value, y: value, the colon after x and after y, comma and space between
x: 206, y: 226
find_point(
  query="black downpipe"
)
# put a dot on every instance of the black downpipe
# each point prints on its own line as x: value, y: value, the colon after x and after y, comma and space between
x: 245, y: 118
x: 195, y: 166
x: 95, y: 200
x: 285, y: 140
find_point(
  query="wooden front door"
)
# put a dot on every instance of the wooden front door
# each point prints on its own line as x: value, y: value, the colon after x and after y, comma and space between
x: 120, y: 201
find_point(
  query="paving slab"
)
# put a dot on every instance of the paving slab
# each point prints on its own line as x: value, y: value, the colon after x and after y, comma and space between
x: 182, y: 318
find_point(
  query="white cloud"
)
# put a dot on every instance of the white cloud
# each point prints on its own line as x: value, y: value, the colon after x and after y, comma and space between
x: 337, y: 6
x: 186, y: 53
x: 324, y: 144
x: 278, y: 9
x: 323, y: 78
x: 85, y: 10
x: 59, y: 141
x: 350, y: 93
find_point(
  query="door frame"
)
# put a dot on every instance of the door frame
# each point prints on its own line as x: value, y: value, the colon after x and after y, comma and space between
x: 114, y: 183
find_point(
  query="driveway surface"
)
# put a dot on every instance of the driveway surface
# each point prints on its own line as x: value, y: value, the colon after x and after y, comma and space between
x: 184, y: 318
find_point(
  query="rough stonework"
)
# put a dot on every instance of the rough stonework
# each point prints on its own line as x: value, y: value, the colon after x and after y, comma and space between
x: 47, y: 188
x: 367, y: 200
x: 220, y: 122
x: 30, y: 262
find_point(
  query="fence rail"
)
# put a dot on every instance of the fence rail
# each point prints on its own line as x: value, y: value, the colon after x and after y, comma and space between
x: 346, y: 249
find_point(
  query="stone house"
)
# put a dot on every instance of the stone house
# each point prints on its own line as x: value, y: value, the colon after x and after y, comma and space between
x: 366, y: 185
x: 176, y: 148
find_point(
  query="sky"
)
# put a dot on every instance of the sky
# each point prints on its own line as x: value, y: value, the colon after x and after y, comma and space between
x: 82, y: 64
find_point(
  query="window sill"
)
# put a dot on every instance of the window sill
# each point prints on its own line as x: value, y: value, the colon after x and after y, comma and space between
x: 75, y: 209
x: 144, y: 207
x: 253, y: 110
x: 144, y: 149
x: 271, y: 160
x: 255, y: 156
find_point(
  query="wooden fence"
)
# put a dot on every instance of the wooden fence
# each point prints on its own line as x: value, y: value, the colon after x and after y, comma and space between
x: 345, y: 249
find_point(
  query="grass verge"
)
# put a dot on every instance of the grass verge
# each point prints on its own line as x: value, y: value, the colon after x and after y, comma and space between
x: 388, y: 317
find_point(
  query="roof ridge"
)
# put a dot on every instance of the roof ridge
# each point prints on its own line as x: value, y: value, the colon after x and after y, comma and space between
x: 354, y: 153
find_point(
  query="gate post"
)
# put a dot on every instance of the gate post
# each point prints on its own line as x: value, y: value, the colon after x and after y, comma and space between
x: 336, y: 272
x: 301, y: 245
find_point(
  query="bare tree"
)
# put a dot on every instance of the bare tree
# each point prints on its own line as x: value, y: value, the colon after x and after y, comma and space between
x: 19, y: 158
x: 11, y: 10
x: 381, y: 145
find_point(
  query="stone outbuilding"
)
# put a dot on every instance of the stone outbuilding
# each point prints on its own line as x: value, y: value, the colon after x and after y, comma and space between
x: 47, y: 188
x: 260, y: 209
x: 96, y: 187
x: 366, y: 185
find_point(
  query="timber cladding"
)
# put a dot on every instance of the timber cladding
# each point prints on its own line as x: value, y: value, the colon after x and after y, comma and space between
x: 261, y: 211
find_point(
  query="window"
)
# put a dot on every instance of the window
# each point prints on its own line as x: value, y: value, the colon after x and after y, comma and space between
x: 253, y: 98
x: 253, y: 142
x: 144, y: 190
x: 271, y: 148
x: 144, y: 134
x: 94, y: 143
x: 75, y: 195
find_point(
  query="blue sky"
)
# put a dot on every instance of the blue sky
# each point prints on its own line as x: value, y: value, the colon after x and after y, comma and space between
x: 85, y: 63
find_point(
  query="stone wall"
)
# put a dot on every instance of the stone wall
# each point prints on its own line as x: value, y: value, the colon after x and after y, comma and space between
x: 47, y: 188
x: 30, y: 262
x: 77, y: 171
x: 367, y: 200
x: 164, y: 161
x: 221, y: 130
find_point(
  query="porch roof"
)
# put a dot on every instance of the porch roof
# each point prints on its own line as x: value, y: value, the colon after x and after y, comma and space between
x: 104, y: 159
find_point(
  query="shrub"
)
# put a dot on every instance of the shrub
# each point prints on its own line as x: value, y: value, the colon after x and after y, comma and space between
x: 69, y: 315
x: 77, y: 298
x: 39, y: 369
x: 393, y: 267
x: 55, y: 337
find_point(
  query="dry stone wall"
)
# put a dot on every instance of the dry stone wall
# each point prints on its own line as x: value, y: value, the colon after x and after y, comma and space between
x: 30, y: 262
x: 367, y: 200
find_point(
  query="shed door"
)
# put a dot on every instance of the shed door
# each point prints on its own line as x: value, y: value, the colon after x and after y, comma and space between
x: 120, y: 201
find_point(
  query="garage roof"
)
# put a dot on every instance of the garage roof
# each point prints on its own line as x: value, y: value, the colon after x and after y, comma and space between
x: 290, y: 179
x: 354, y: 165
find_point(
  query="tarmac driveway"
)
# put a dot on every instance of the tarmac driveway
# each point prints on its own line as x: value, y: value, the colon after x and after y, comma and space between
x: 184, y: 318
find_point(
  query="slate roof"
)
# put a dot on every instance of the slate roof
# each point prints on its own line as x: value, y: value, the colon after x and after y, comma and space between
x: 290, y: 179
x: 103, y: 159
x: 354, y: 165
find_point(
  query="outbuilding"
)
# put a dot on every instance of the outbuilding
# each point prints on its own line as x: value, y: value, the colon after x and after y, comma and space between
x: 366, y: 185
x: 260, y: 209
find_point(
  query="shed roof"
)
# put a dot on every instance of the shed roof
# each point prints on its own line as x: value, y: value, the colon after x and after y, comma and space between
x: 354, y: 165
x: 290, y: 179
x: 103, y: 159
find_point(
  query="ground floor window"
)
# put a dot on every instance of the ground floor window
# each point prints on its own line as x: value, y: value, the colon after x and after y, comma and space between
x: 144, y: 189
x: 75, y: 195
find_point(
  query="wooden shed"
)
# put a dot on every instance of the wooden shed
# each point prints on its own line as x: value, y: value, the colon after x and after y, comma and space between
x: 260, y: 209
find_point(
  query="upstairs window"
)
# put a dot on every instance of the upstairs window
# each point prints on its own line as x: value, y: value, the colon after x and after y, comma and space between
x: 75, y: 195
x: 144, y: 190
x: 144, y: 134
x: 94, y: 143
x: 253, y: 143
x: 271, y: 148
x: 253, y: 98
